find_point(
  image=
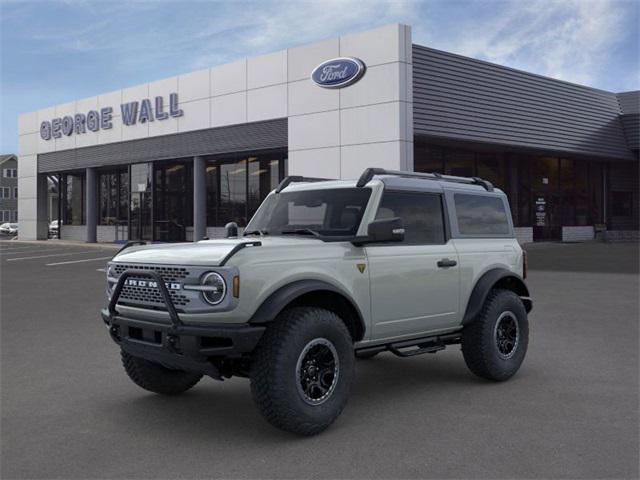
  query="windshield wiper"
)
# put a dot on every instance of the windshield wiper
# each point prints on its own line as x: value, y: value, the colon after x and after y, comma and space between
x: 300, y: 231
x: 259, y: 231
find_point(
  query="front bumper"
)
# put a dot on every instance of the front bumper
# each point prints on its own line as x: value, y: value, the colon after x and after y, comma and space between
x: 184, y: 347
x: 174, y: 344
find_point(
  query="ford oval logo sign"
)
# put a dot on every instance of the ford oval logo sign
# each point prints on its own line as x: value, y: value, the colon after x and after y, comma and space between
x: 338, y: 73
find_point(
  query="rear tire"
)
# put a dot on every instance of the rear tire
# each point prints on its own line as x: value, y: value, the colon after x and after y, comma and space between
x: 302, y: 370
x: 156, y: 378
x: 495, y: 343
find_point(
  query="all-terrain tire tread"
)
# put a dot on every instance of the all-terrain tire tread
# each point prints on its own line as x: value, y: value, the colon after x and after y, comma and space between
x: 266, y: 387
x: 477, y: 347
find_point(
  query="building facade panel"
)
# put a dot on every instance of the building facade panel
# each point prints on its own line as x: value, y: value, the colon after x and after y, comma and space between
x: 196, y: 116
x: 28, y: 123
x: 305, y: 97
x: 316, y: 130
x: 267, y: 102
x: 317, y: 162
x: 229, y: 78
x: 382, y: 86
x: 303, y: 59
x: 194, y: 85
x: 267, y: 70
x: 228, y: 109
x: 172, y: 124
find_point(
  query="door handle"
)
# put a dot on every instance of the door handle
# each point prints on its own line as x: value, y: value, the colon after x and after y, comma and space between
x: 446, y: 263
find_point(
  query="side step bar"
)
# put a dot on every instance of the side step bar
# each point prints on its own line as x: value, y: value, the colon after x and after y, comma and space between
x: 416, y: 346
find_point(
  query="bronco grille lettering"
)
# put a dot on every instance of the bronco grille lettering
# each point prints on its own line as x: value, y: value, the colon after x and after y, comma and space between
x: 133, y: 282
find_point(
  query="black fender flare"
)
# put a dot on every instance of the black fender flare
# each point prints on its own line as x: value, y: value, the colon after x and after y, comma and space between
x: 497, y: 277
x: 278, y: 300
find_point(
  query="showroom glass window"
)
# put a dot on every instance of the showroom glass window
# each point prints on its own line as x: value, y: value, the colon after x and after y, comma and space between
x: 571, y: 188
x: 173, y: 200
x: 73, y: 191
x: 237, y: 184
x: 113, y: 197
x: 463, y: 163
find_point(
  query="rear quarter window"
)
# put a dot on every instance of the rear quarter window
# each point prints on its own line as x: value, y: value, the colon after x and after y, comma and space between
x: 480, y: 215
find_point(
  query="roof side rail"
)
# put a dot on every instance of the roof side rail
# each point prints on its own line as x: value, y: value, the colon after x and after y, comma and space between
x: 297, y: 179
x: 369, y: 173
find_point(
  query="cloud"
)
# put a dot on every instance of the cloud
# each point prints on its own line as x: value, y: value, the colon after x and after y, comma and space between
x: 263, y: 27
x: 569, y: 40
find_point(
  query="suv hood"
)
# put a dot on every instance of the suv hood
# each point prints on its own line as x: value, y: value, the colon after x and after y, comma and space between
x: 205, y: 252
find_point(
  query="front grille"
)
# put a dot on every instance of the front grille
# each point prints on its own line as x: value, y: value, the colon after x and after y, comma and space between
x: 169, y: 274
x: 151, y: 296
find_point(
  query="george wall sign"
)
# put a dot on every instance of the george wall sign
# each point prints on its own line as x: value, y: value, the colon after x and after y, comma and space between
x: 94, y: 120
x: 338, y: 72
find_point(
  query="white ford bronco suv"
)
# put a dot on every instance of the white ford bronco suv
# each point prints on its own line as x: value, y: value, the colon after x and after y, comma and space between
x: 325, y: 272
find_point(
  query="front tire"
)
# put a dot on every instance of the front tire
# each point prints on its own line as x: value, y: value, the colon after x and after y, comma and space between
x: 495, y: 343
x: 302, y: 370
x: 156, y: 378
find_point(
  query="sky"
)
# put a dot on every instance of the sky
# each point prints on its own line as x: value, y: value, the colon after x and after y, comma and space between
x: 55, y: 51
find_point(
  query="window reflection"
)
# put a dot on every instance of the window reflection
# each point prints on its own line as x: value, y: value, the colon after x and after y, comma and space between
x: 459, y: 164
x: 73, y: 199
x: 113, y: 197
x: 571, y: 188
x: 237, y: 185
x: 173, y: 200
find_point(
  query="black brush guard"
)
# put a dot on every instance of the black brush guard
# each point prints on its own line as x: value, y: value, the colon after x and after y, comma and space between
x: 176, y: 345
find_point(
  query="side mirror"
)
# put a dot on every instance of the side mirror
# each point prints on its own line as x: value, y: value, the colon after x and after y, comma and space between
x: 231, y: 230
x: 385, y: 230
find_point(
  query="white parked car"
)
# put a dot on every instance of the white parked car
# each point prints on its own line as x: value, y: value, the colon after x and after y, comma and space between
x: 54, y: 229
x: 9, y: 229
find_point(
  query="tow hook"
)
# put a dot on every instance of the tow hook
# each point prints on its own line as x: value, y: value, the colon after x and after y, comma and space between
x: 173, y: 343
x: 114, y: 331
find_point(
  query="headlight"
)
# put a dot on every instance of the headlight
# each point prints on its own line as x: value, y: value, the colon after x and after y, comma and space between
x: 111, y: 282
x: 215, y: 288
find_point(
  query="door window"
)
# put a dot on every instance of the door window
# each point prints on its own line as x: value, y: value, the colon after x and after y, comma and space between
x: 421, y: 215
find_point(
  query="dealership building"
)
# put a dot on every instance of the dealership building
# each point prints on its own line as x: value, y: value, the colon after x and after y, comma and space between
x: 178, y: 158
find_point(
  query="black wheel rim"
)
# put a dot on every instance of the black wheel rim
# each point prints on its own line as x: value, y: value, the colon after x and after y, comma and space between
x: 507, y: 335
x: 317, y: 371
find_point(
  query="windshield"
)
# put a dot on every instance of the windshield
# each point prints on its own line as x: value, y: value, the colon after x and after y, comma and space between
x: 323, y: 212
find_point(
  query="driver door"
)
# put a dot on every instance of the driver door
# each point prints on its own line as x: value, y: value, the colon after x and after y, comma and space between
x: 414, y: 283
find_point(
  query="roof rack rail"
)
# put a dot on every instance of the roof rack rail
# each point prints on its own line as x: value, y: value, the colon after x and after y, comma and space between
x: 369, y: 173
x: 297, y: 179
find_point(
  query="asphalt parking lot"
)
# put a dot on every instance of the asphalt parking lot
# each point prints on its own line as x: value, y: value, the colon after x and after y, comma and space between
x: 69, y: 411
